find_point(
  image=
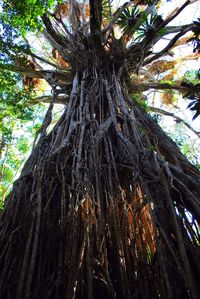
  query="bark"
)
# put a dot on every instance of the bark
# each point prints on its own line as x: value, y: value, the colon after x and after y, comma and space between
x: 106, y: 206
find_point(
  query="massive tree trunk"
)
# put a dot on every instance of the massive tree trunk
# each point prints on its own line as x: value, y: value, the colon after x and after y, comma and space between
x: 106, y: 206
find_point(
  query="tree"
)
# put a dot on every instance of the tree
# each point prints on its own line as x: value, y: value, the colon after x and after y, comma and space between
x: 106, y: 205
x: 17, y: 124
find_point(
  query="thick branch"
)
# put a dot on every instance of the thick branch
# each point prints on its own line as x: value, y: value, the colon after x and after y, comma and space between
x: 167, y: 48
x: 177, y: 11
x: 174, y: 29
x: 52, y: 32
x: 170, y: 30
x: 157, y: 85
x: 178, y: 119
x: 23, y: 70
x: 95, y: 16
x: 46, y: 61
x: 35, y: 56
x: 56, y: 45
x: 47, y: 99
x: 48, y: 75
x: 59, y: 42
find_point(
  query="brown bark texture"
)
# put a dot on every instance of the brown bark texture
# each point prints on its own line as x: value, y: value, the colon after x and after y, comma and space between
x: 106, y: 206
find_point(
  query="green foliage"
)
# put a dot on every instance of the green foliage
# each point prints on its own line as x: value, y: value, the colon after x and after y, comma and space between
x: 13, y: 155
x: 133, y: 17
x: 13, y: 104
x: 192, y: 76
x: 140, y: 100
x: 106, y: 9
x: 8, y: 174
x: 17, y: 119
x: 149, y: 26
x: 189, y: 151
x: 25, y: 14
x: 128, y: 19
x: 162, y: 32
x: 17, y: 147
x: 198, y: 166
x: 1, y: 205
x: 13, y: 48
x: 188, y: 145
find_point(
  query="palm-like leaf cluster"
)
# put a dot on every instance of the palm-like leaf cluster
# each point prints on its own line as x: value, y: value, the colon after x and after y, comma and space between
x: 196, y: 38
x: 149, y: 27
x: 194, y: 105
x: 128, y: 19
x: 133, y: 20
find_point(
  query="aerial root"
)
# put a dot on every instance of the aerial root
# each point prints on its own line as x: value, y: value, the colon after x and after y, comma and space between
x: 99, y: 212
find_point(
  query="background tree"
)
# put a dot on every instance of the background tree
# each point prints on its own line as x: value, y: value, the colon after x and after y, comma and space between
x: 106, y: 205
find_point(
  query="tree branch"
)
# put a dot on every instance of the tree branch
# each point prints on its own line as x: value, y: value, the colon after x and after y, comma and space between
x: 59, y: 42
x: 48, y: 75
x: 174, y: 29
x: 46, y: 61
x: 116, y: 15
x: 58, y: 38
x: 47, y: 99
x: 167, y: 48
x: 95, y: 18
x: 176, y: 12
x: 177, y: 118
x: 170, y: 29
x: 23, y: 70
x: 166, y: 145
x: 157, y: 85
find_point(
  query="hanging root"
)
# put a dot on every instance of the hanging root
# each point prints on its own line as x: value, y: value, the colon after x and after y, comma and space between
x: 106, y: 207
